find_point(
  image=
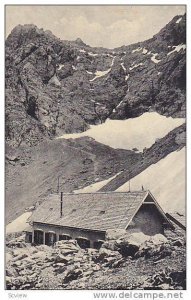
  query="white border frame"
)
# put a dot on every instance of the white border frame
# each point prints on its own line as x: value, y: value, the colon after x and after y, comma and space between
x: 65, y: 294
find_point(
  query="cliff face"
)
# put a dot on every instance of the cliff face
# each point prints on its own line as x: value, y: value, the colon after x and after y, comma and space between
x: 55, y: 87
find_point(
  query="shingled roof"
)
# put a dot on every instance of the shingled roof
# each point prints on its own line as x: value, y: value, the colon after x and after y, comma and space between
x: 178, y: 219
x: 93, y: 211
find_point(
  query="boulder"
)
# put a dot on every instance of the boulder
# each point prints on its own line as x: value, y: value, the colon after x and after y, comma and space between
x: 105, y: 255
x: 43, y: 248
x: 88, y: 273
x: 128, y: 247
x: 138, y: 237
x: 91, y: 251
x: 68, y: 251
x: 72, y: 275
x: 18, y: 242
x: 129, y: 244
x: 158, y: 239
x: 67, y: 247
x: 178, y: 243
x: 117, y: 263
x: 59, y: 268
x: 11, y: 272
x: 114, y: 234
x: 179, y: 278
x: 67, y: 244
x: 110, y: 245
x: 62, y: 259
x: 20, y: 257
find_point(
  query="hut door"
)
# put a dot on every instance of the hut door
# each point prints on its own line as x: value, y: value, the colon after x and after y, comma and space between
x: 50, y: 238
x: 38, y: 237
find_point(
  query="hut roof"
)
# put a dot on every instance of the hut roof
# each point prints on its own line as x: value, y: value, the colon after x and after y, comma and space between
x: 178, y: 218
x: 93, y: 211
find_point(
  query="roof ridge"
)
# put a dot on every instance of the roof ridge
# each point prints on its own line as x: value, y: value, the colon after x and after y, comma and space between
x: 109, y: 192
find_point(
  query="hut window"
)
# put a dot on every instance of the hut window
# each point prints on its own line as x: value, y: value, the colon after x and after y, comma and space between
x: 98, y: 244
x: 64, y: 237
x: 83, y: 242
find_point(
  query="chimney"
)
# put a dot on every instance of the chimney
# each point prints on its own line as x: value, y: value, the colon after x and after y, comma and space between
x: 129, y: 182
x: 61, y: 202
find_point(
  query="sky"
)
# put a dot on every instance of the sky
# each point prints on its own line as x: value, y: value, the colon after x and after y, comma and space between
x: 102, y: 26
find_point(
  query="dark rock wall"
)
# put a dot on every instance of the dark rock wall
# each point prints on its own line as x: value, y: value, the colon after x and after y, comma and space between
x: 51, y: 87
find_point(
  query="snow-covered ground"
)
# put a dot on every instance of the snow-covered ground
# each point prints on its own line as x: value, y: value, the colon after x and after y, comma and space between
x: 178, y: 21
x: 60, y: 67
x: 137, y: 49
x: 126, y: 77
x: 112, y: 62
x: 92, y: 54
x: 135, y: 66
x: 177, y: 48
x: 137, y: 133
x: 165, y: 180
x: 99, y: 74
x: 95, y: 186
x: 88, y: 72
x: 153, y: 58
x: 145, y: 51
x: 19, y: 224
x: 122, y: 64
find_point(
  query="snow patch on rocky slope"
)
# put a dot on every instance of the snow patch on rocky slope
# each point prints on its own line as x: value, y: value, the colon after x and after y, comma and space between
x: 19, y: 224
x: 99, y: 74
x: 137, y: 133
x: 178, y: 21
x: 166, y: 181
x: 177, y: 48
x: 92, y: 188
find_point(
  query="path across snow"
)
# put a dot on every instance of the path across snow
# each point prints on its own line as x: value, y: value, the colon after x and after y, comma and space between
x: 137, y: 133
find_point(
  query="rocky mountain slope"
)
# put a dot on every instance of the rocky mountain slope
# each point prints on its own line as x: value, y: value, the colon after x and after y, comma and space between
x: 55, y: 87
x: 32, y: 173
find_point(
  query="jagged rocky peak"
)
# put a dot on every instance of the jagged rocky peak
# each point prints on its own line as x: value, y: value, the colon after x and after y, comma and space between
x: 80, y: 42
x: 55, y: 87
x: 22, y: 34
x: 174, y: 32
